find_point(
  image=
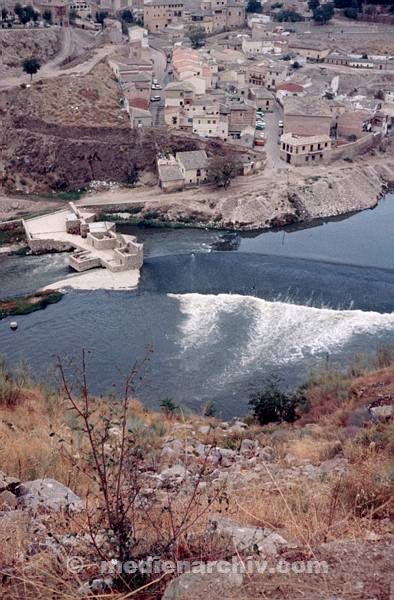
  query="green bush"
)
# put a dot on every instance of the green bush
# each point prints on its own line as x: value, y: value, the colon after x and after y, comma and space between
x: 271, y: 404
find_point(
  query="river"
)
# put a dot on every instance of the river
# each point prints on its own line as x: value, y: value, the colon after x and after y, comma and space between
x: 221, y: 311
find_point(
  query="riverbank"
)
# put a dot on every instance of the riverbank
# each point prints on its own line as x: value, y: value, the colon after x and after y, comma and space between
x: 258, y: 202
x: 25, y: 305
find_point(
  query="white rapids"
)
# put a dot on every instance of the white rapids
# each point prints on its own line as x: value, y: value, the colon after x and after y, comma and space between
x: 273, y: 332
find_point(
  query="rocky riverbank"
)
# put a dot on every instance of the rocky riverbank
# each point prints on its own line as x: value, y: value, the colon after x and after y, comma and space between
x: 257, y: 202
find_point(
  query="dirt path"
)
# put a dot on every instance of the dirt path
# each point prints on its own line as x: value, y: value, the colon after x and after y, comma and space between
x: 71, y: 45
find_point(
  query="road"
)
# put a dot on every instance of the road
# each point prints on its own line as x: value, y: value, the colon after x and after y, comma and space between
x: 52, y: 69
x: 272, y: 148
x: 159, y: 62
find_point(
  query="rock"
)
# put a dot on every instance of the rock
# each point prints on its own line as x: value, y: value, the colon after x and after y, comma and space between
x: 382, y: 413
x: 205, y: 586
x: 168, y: 456
x: 176, y: 474
x: 205, y: 429
x: 238, y: 427
x: 248, y: 538
x: 226, y: 456
x: 248, y: 446
x: 50, y: 494
x: 266, y: 453
x: 7, y: 500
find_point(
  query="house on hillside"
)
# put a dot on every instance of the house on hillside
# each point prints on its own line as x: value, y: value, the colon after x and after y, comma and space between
x: 194, y: 166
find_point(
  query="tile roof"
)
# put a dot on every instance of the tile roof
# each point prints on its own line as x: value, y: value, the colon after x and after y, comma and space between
x: 195, y: 159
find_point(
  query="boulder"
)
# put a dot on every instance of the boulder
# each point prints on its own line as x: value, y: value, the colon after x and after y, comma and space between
x: 7, y: 500
x: 248, y: 446
x: 175, y: 474
x: 50, y: 494
x: 382, y: 413
x: 248, y: 538
x: 204, y: 429
x: 205, y: 586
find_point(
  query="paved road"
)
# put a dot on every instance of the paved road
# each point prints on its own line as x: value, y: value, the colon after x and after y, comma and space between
x: 160, y: 72
x: 272, y: 149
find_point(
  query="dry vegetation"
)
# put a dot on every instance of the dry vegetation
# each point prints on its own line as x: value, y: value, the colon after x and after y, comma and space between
x: 328, y: 479
x: 90, y: 101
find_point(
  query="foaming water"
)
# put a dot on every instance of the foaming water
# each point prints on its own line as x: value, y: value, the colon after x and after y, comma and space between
x: 274, y: 332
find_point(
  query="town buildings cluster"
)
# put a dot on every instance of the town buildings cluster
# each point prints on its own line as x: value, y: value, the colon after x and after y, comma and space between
x: 228, y: 86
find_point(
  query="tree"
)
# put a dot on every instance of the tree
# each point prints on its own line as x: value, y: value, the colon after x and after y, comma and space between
x: 197, y: 36
x: 4, y: 13
x: 322, y: 14
x: 271, y: 404
x: 313, y: 4
x: 351, y: 12
x: 289, y: 15
x: 222, y: 170
x: 254, y: 6
x: 35, y: 16
x: 18, y: 9
x: 73, y: 15
x: 47, y: 16
x: 101, y: 15
x: 31, y: 66
x: 127, y: 15
x: 379, y: 95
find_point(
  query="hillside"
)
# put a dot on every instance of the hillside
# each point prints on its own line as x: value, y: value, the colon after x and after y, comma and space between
x: 18, y: 44
x: 311, y: 501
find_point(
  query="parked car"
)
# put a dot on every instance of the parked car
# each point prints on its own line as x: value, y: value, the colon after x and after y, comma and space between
x: 259, y: 142
x: 156, y: 86
x: 155, y: 98
x: 259, y: 127
x: 155, y: 81
x: 280, y: 124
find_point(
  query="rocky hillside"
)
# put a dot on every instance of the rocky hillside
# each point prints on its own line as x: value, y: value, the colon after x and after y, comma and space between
x: 18, y: 44
x: 278, y: 511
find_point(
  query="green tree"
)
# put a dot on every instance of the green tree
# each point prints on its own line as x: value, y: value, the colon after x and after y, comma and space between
x: 351, y: 12
x: 31, y: 66
x: 313, y: 4
x: 4, y: 13
x: 197, y: 36
x: 222, y: 170
x: 47, y: 16
x: 271, y: 404
x: 324, y: 13
x: 73, y: 15
x: 101, y: 15
x: 127, y: 15
x: 289, y: 15
x: 254, y: 6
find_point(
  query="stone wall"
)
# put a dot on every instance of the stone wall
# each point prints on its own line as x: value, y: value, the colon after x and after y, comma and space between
x: 15, y: 226
x: 361, y: 146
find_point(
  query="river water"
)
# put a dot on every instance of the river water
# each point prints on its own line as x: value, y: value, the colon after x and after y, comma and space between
x: 221, y: 311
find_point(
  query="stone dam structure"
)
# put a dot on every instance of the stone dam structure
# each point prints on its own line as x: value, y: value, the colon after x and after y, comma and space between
x: 93, y: 243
